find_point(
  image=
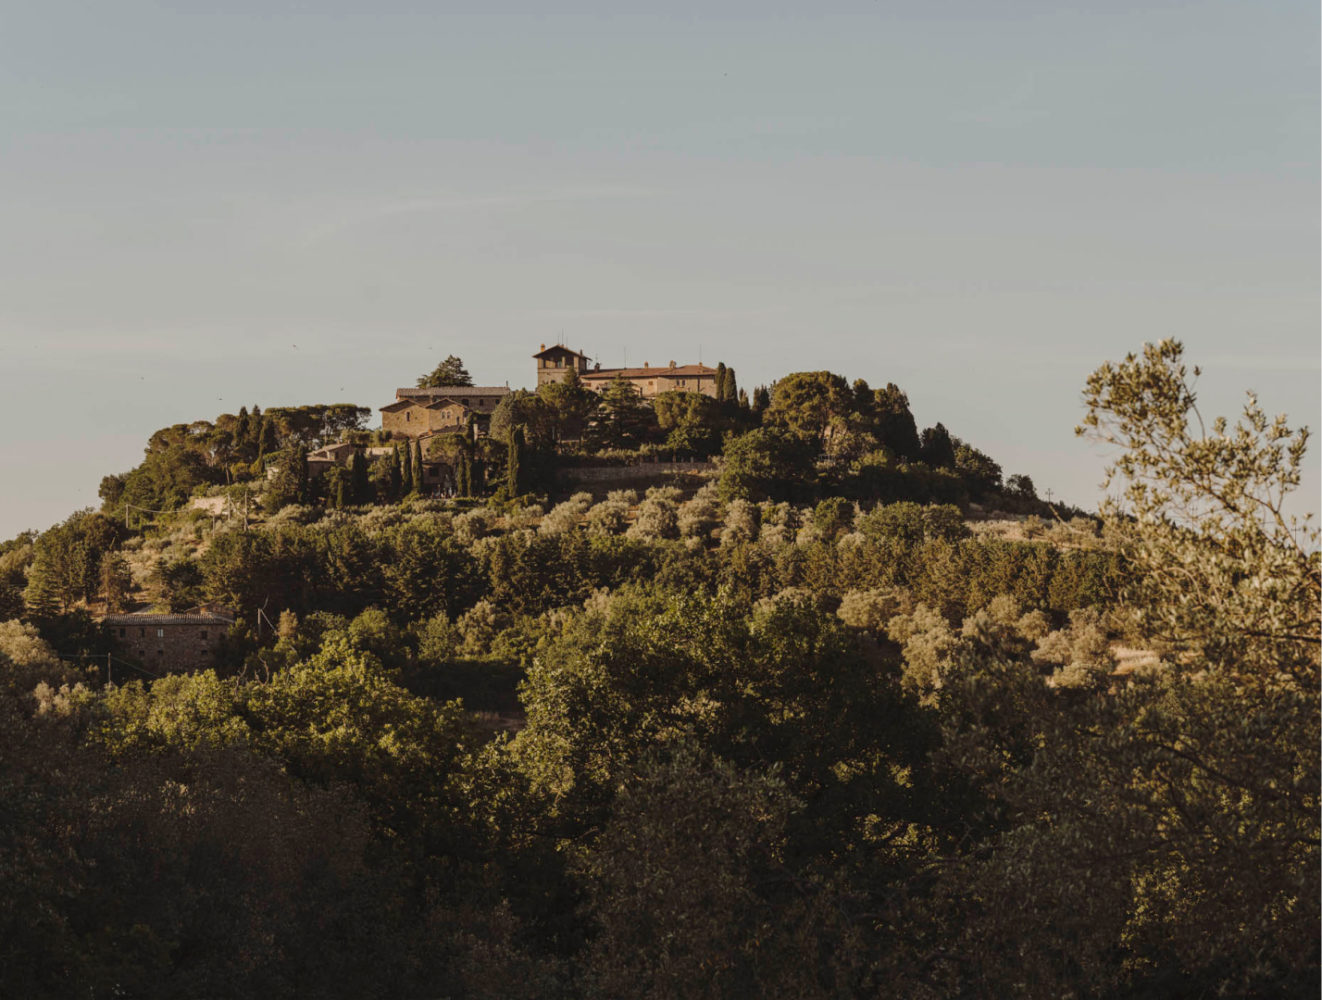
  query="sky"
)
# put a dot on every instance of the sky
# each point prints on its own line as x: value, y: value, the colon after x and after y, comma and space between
x: 209, y: 205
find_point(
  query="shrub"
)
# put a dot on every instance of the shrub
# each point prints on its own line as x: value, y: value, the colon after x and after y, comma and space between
x: 608, y: 517
x: 741, y: 523
x: 657, y: 518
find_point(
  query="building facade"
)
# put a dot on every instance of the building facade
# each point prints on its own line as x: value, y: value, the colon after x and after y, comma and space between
x: 651, y: 382
x: 421, y: 413
x: 555, y: 362
x: 165, y: 643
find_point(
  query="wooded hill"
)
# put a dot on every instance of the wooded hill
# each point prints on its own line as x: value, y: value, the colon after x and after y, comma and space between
x: 810, y: 435
x: 776, y: 737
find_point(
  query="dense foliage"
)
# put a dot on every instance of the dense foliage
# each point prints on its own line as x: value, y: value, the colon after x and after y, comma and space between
x: 761, y: 739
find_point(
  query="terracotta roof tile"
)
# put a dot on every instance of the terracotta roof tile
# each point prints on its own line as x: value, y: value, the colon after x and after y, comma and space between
x: 660, y: 371
x: 453, y: 391
x: 206, y: 618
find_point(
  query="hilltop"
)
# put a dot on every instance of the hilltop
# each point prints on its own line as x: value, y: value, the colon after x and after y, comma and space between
x: 817, y: 721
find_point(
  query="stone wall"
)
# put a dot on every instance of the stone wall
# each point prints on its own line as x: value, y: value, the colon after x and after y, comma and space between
x: 610, y: 473
x: 650, y: 473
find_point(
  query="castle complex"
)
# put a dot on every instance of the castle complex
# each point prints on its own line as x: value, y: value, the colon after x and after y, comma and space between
x: 451, y: 409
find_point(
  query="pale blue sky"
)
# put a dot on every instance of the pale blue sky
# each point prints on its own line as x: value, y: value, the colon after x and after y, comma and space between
x: 209, y: 205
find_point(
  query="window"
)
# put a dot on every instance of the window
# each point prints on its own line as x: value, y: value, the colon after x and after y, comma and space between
x: 160, y: 633
x: 204, y: 633
x: 123, y: 632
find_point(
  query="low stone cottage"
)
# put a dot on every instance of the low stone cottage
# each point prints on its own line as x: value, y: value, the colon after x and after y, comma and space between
x: 170, y: 643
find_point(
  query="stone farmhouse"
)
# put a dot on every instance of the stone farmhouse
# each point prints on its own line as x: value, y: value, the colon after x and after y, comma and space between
x: 324, y: 459
x: 423, y: 413
x: 165, y: 643
x: 555, y: 362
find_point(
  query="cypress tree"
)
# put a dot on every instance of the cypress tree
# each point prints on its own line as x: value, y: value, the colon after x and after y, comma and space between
x: 720, y: 382
x: 341, y: 491
x: 242, y: 429
x: 303, y: 487
x: 394, y: 478
x: 406, y: 470
x: 732, y: 388
x: 419, y: 479
x: 513, y: 464
x: 360, y: 487
x: 266, y: 439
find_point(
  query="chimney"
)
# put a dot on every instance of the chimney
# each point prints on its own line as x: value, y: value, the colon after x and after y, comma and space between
x: 672, y: 364
x: 645, y: 364
x: 543, y: 347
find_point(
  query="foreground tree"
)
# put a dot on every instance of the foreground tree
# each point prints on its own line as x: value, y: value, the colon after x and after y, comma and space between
x: 1159, y: 835
x: 1221, y: 571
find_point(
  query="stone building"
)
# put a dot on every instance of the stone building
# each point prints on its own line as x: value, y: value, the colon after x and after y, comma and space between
x: 324, y: 459
x: 421, y: 413
x: 556, y: 361
x: 167, y: 643
x: 651, y: 382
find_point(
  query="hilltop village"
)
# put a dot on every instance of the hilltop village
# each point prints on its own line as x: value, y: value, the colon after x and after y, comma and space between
x: 583, y: 400
x: 424, y: 411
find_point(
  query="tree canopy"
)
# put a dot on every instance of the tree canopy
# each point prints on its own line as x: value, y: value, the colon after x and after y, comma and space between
x: 450, y: 372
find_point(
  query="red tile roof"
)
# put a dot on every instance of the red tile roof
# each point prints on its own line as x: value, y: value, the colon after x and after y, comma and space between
x: 453, y: 391
x: 660, y: 371
x: 206, y: 618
